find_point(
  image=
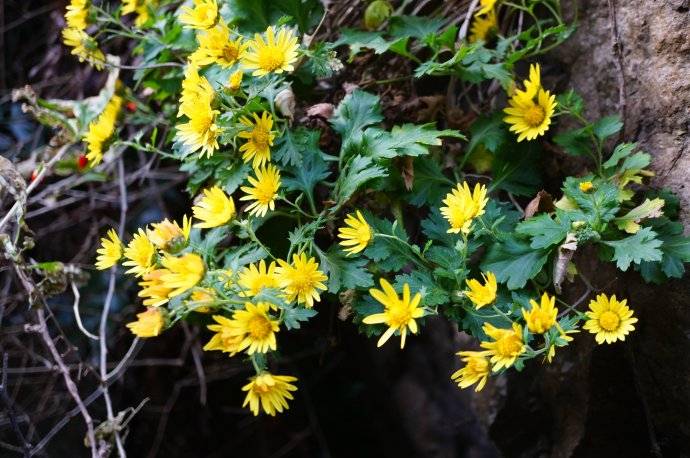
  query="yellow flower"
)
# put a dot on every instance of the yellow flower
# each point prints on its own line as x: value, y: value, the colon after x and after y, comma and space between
x: 139, y: 7
x: 184, y: 272
x: 77, y: 14
x: 477, y: 369
x: 462, y: 206
x: 586, y: 186
x: 531, y: 110
x: 541, y: 317
x: 214, y: 209
x: 154, y: 289
x: 264, y: 190
x: 259, y: 139
x: 485, y: 294
x: 201, y: 300
x: 270, y: 392
x: 195, y: 88
x: 235, y: 81
x: 253, y: 279
x: 83, y: 46
x: 202, y: 16
x: 507, y: 345
x: 110, y: 251
x: 486, y: 6
x: 149, y: 323
x: 216, y: 47
x: 275, y: 54
x: 356, y: 235
x: 483, y: 27
x: 169, y: 236
x: 609, y: 319
x: 399, y: 313
x: 139, y: 252
x: 301, y: 280
x: 201, y: 131
x: 101, y: 130
x: 255, y: 327
x: 224, y: 339
x: 532, y: 84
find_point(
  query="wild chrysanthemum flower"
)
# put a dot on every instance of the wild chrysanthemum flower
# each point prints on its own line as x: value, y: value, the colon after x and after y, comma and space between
x: 463, y: 206
x: 253, y: 279
x: 609, y: 319
x: 154, y: 290
x: 531, y: 110
x: 101, y: 130
x: 256, y: 328
x: 225, y: 339
x: 140, y: 254
x: 214, y: 209
x: 301, y: 280
x: 235, y: 80
x: 201, y: 131
x: 506, y: 346
x: 541, y: 317
x: 195, y: 88
x: 274, y: 54
x: 486, y: 6
x: 270, y: 392
x: 149, y: 323
x: 168, y: 235
x: 477, y: 369
x: 485, y: 294
x: 83, y: 46
x: 202, y: 16
x: 140, y: 7
x: 398, y: 314
x: 77, y: 14
x: 110, y: 251
x: 184, y: 272
x: 356, y: 234
x: 585, y: 186
x: 264, y: 190
x: 202, y: 300
x: 216, y: 47
x: 259, y: 139
x: 483, y: 27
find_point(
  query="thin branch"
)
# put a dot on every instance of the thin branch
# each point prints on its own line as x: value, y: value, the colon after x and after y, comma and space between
x: 77, y: 316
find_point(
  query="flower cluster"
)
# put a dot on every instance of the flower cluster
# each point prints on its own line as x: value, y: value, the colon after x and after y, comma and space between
x: 74, y: 34
x: 484, y: 22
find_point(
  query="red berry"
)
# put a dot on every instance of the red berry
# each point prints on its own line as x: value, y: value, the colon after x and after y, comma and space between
x: 131, y: 106
x: 34, y: 174
x: 82, y: 162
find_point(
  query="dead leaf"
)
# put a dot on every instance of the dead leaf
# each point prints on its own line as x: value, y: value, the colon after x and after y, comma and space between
x: 322, y: 110
x: 407, y: 172
x: 565, y: 254
x: 542, y: 203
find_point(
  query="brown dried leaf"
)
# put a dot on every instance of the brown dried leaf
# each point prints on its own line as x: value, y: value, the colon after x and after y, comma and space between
x: 542, y: 202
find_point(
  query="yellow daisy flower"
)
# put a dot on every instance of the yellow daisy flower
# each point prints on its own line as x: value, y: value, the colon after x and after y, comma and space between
x: 216, y: 47
x: 485, y: 294
x: 585, y: 186
x: 235, y: 81
x: 168, y: 235
x: 101, y: 130
x: 253, y: 279
x: 541, y: 317
x: 140, y: 254
x: 483, y: 27
x: 201, y: 131
x: 486, y: 6
x: 77, y: 14
x: 225, y: 339
x: 83, y: 46
x: 202, y: 16
x: 264, y: 190
x: 399, y: 313
x: 275, y: 54
x: 270, y: 392
x: 301, y: 280
x: 506, y: 346
x: 259, y: 139
x: 110, y: 251
x: 356, y: 235
x: 184, y: 272
x: 609, y: 320
x: 531, y: 110
x: 140, y: 7
x: 149, y: 323
x: 214, y: 209
x: 154, y: 290
x: 195, y: 88
x: 476, y: 370
x: 256, y: 328
x: 463, y: 206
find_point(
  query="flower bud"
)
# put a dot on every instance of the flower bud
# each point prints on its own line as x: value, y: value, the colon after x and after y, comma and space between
x: 376, y: 14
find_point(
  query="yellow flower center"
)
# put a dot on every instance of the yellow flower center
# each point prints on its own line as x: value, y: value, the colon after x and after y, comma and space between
x: 478, y: 365
x: 399, y: 316
x: 259, y: 327
x: 260, y: 137
x: 509, y: 346
x: 534, y: 116
x: 230, y: 52
x: 609, y: 320
x: 271, y: 58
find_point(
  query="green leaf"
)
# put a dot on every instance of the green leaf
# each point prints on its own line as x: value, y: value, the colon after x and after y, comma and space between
x: 630, y: 222
x: 436, y: 228
x: 571, y: 101
x: 344, y: 272
x: 255, y: 15
x: 423, y: 283
x: 390, y: 253
x: 544, y: 230
x: 430, y: 184
x: 643, y: 246
x: 576, y: 142
x: 354, y: 175
x: 514, y: 262
x: 607, y: 126
x: 621, y: 151
x: 292, y: 316
x: 305, y: 176
x: 358, y: 40
x: 599, y: 206
x: 406, y: 140
x: 516, y: 168
x: 414, y: 26
x: 489, y: 131
x: 294, y: 143
x: 357, y: 111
